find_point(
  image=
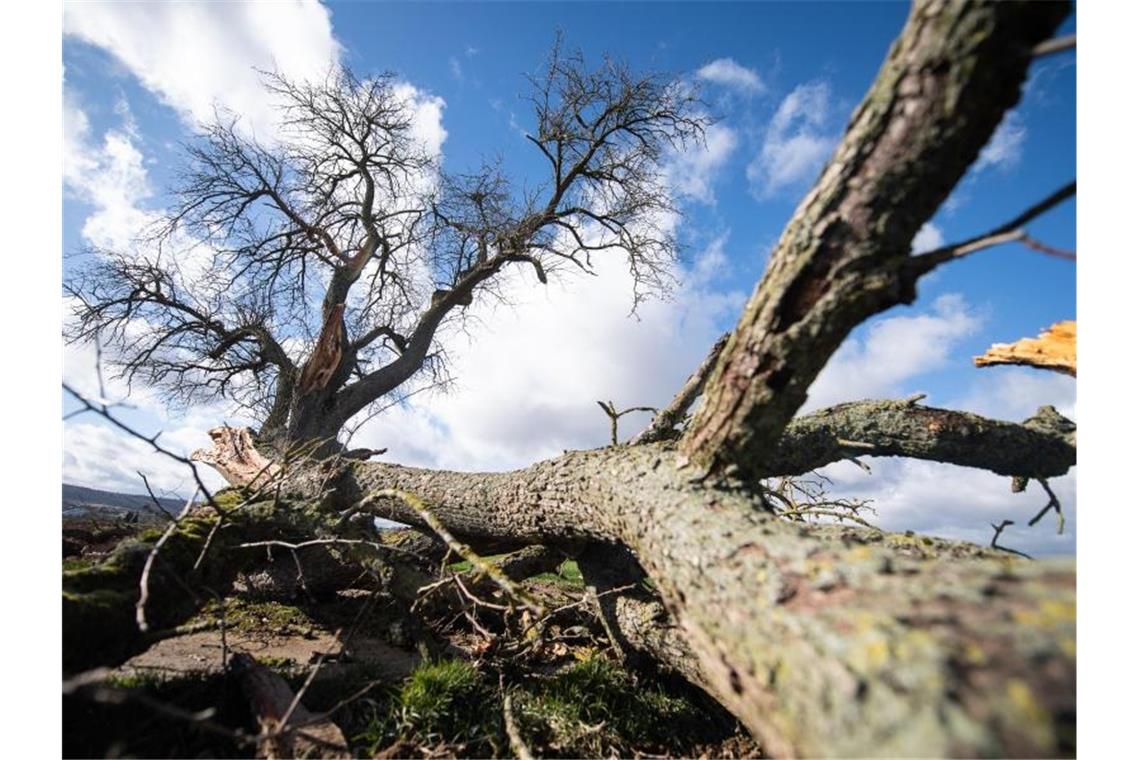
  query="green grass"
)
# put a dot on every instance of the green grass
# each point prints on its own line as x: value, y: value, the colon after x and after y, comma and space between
x: 595, y: 708
x: 567, y: 574
x: 443, y: 702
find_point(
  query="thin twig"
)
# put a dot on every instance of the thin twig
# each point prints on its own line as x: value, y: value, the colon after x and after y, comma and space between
x: 154, y: 498
x: 997, y: 532
x: 1053, y: 504
x: 518, y: 746
x: 614, y: 415
x: 144, y: 580
x: 1008, y: 232
x: 1055, y: 45
x: 495, y: 574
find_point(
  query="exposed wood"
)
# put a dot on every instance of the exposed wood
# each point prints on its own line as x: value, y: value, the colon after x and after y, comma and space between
x: 1055, y: 349
x: 272, y: 703
x: 236, y: 457
x: 326, y: 355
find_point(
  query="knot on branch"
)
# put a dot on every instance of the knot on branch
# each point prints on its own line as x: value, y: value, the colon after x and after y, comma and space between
x: 1048, y: 420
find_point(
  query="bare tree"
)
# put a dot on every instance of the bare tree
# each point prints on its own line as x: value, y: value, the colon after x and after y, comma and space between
x: 309, y: 278
x: 822, y: 639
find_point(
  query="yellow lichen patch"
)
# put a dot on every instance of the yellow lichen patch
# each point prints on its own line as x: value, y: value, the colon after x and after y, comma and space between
x: 871, y: 656
x: 1069, y: 647
x: 1029, y: 715
x: 1050, y: 613
x: 973, y: 654
x: 1058, y: 612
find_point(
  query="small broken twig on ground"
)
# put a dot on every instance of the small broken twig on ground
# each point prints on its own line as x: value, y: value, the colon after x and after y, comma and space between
x: 518, y: 746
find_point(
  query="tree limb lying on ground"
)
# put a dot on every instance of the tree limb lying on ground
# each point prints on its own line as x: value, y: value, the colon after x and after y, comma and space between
x: 823, y: 640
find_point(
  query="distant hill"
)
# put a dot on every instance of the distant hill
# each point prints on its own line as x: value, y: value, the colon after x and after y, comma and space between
x: 80, y: 501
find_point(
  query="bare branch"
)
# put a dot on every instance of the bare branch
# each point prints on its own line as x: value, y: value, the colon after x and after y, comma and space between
x: 664, y: 424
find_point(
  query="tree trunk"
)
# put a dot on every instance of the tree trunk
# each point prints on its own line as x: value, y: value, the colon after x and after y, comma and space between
x: 822, y: 640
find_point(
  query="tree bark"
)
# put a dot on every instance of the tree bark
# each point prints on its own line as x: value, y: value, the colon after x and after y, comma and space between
x: 822, y: 640
x: 945, y: 86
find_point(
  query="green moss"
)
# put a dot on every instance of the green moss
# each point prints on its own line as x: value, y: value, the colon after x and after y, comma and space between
x: 249, y: 616
x: 595, y: 708
x: 568, y: 574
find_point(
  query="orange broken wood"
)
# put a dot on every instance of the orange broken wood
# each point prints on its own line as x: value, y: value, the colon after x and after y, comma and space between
x: 1055, y: 349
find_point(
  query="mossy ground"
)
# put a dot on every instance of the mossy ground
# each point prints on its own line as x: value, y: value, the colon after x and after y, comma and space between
x: 590, y: 708
x: 569, y: 698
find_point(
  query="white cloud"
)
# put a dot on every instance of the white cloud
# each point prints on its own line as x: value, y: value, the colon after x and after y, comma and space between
x: 942, y: 499
x: 529, y: 377
x: 957, y: 502
x: 1015, y: 393
x: 895, y: 349
x: 1006, y: 145
x: 692, y: 172
x: 107, y: 174
x: 427, y: 118
x: 98, y: 456
x: 727, y: 72
x: 929, y: 237
x: 197, y: 55
x: 796, y: 144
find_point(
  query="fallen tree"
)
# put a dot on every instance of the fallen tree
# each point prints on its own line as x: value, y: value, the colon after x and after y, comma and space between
x: 821, y: 639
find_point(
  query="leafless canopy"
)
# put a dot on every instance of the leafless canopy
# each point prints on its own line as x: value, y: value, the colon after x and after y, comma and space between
x: 309, y: 277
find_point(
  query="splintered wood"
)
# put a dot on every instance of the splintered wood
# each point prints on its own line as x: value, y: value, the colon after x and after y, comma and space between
x: 1055, y: 349
x: 236, y: 458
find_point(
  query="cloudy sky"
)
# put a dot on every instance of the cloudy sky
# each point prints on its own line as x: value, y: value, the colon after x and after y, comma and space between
x: 781, y: 80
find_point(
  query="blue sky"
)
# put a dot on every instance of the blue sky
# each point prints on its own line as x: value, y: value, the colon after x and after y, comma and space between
x: 781, y: 79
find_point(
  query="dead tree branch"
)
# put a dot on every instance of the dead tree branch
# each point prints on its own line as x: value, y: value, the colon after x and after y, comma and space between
x: 614, y: 415
x: 664, y: 424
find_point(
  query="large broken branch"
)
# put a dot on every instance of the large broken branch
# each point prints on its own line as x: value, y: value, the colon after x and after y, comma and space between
x: 822, y: 640
x: 955, y: 70
x: 236, y: 458
x: 1041, y: 447
x: 1055, y: 349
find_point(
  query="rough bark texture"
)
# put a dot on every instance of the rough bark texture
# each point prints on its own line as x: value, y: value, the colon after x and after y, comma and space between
x: 823, y: 641
x: 1041, y: 447
x: 1054, y: 349
x: 946, y: 84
